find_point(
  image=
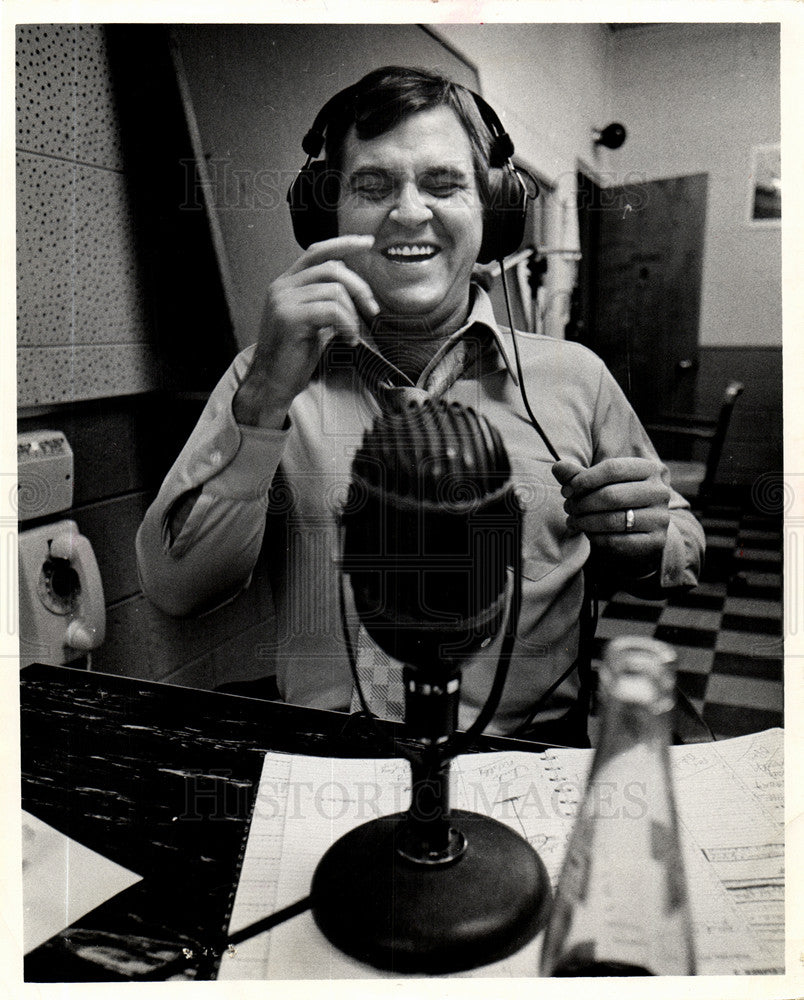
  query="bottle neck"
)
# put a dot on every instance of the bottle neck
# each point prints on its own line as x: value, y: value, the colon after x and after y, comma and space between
x: 626, y: 724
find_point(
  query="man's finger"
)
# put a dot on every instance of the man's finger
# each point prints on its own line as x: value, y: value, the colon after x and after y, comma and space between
x: 334, y: 249
x: 341, y: 316
x: 620, y: 496
x: 336, y: 270
x: 326, y: 333
x: 610, y: 470
x: 644, y: 520
x: 609, y: 523
x: 566, y: 470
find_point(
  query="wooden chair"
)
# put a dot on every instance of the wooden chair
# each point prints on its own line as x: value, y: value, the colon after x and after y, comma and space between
x: 695, y: 479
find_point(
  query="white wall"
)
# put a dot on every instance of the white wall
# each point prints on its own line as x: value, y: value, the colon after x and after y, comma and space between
x: 694, y: 98
x: 697, y: 98
x: 548, y: 83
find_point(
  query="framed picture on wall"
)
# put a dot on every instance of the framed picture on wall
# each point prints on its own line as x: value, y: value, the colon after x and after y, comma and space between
x: 765, y: 203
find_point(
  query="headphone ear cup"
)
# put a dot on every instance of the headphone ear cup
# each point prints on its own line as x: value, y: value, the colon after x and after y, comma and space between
x: 504, y: 216
x: 313, y: 199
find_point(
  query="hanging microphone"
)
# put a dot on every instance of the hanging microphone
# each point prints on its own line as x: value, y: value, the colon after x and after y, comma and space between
x: 430, y: 526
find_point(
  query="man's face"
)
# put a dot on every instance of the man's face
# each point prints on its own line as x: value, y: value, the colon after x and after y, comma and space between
x: 414, y: 190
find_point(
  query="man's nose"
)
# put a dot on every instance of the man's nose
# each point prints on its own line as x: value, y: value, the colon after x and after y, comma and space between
x: 411, y: 209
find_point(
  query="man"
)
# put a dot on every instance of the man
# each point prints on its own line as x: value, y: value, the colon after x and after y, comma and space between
x: 388, y: 306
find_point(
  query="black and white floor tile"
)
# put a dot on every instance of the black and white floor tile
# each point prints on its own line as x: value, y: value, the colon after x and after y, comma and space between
x: 727, y: 632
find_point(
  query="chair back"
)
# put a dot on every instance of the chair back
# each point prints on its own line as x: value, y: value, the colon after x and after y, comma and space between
x: 730, y: 396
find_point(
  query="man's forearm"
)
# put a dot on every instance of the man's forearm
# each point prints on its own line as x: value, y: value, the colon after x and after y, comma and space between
x: 201, y: 536
x: 253, y: 406
x: 212, y: 561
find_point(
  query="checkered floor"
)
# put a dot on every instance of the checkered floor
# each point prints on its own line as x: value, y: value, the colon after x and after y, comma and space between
x: 727, y: 632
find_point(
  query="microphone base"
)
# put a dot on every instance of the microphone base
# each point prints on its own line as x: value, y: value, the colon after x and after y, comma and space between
x: 403, y: 916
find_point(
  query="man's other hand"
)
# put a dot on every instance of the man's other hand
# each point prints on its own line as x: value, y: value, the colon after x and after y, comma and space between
x: 622, y: 505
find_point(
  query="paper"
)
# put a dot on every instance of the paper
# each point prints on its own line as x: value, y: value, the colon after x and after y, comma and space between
x: 733, y: 812
x: 61, y: 881
x: 729, y: 797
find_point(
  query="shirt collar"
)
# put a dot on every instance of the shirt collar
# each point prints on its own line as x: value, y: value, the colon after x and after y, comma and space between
x: 482, y: 314
x: 493, y: 356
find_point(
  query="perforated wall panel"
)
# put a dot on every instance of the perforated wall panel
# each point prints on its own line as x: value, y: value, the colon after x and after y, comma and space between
x: 82, y: 314
x: 78, y: 279
x: 65, y: 104
x: 64, y: 374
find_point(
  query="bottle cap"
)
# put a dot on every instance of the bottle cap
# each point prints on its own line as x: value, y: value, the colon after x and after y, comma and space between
x: 640, y: 671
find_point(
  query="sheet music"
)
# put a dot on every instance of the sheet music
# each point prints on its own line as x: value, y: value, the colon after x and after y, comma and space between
x: 729, y: 798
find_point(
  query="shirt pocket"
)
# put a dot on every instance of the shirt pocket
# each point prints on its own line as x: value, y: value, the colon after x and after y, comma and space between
x: 544, y: 521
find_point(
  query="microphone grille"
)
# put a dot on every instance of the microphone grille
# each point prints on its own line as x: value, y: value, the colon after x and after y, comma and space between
x: 420, y: 445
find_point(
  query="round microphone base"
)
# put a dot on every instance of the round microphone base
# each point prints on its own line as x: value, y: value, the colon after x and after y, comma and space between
x: 396, y: 914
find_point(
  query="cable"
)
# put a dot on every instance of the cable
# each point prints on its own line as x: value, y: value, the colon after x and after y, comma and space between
x: 588, y: 627
x: 266, y: 923
x: 388, y: 741
x: 586, y: 634
x: 519, y: 372
x: 460, y: 742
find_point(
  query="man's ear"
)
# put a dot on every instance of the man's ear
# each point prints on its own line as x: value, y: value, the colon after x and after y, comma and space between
x: 313, y: 199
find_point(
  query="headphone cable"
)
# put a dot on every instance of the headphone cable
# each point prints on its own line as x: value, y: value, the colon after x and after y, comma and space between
x: 520, y: 374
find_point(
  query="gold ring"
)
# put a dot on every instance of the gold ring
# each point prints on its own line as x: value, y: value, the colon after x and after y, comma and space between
x: 629, y: 520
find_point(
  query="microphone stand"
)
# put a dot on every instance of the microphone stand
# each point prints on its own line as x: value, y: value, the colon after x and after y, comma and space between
x: 428, y: 837
x: 434, y: 890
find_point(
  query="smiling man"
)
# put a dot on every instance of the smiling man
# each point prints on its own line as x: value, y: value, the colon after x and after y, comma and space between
x: 413, y: 189
x: 381, y: 303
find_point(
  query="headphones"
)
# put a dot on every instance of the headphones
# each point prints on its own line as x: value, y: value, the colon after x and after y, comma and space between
x: 313, y: 196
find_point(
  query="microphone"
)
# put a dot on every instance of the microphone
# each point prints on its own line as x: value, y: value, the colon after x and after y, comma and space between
x: 430, y: 525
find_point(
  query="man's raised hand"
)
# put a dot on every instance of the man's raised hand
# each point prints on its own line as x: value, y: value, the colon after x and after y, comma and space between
x: 317, y: 297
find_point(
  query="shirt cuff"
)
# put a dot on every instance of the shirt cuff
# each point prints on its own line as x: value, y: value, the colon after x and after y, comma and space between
x: 250, y: 472
x: 679, y: 565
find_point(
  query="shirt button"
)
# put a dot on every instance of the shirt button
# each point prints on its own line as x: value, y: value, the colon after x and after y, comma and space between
x: 215, y: 458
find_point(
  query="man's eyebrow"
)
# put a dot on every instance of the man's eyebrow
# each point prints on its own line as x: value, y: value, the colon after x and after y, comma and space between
x: 447, y: 170
x: 369, y: 170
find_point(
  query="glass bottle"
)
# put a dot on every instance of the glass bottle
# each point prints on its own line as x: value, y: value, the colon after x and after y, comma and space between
x: 621, y: 904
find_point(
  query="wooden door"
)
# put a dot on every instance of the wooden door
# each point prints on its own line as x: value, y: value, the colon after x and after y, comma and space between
x: 640, y: 286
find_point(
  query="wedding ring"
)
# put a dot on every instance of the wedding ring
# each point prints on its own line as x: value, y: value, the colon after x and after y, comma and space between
x: 629, y: 520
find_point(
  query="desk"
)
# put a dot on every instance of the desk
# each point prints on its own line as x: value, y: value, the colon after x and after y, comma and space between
x: 160, y: 779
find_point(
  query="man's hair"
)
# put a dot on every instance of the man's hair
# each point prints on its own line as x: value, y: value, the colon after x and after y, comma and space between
x: 384, y: 97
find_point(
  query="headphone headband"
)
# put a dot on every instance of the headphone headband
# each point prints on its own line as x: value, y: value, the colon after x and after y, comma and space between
x: 313, y: 194
x: 502, y: 146
x: 313, y: 141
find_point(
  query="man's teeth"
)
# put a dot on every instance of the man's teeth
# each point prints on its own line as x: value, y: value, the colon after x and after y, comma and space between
x: 411, y: 250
